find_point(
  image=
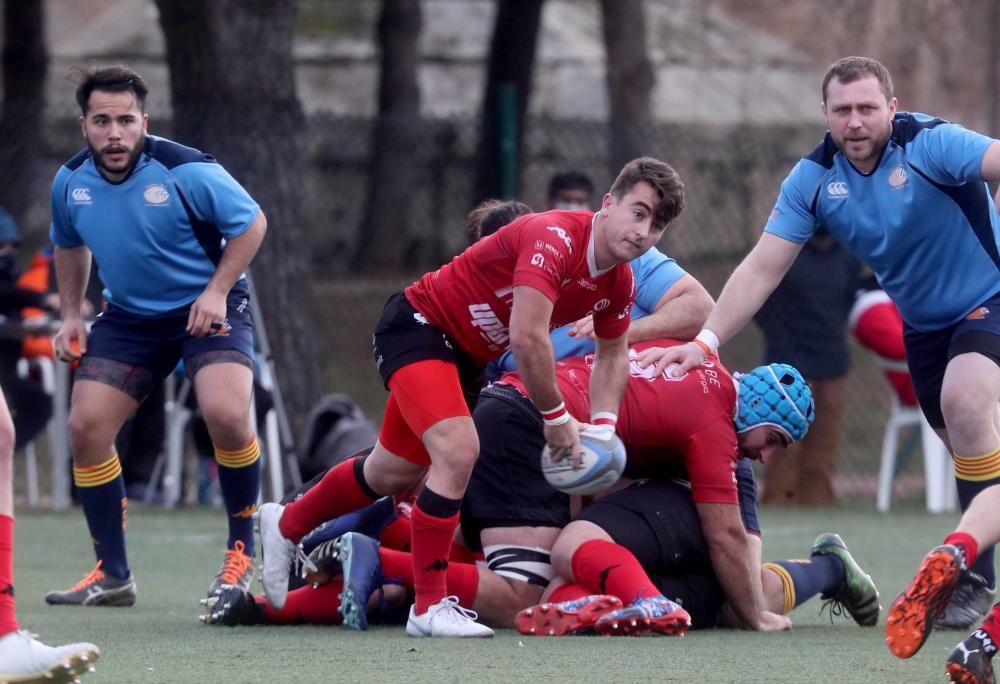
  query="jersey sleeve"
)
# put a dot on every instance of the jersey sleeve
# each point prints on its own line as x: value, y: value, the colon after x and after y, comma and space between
x: 711, y: 463
x: 544, y: 254
x: 655, y: 273
x: 792, y: 217
x: 949, y: 154
x: 62, y: 232
x: 216, y: 197
x: 613, y: 321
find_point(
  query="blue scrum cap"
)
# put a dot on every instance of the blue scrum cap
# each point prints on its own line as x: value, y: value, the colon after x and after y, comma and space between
x: 775, y: 395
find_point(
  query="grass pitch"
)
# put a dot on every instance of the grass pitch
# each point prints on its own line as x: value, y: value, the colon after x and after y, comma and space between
x: 174, y: 555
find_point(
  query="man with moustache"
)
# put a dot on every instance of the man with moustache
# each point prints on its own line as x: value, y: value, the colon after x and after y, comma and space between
x: 173, y: 233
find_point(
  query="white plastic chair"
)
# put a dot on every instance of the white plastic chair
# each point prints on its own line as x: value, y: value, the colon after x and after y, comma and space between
x: 939, y: 471
x: 47, y: 377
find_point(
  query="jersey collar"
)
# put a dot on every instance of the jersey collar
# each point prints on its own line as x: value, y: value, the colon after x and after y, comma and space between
x: 591, y: 255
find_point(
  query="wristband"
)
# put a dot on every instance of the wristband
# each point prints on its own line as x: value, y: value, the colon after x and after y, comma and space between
x: 708, y: 341
x: 556, y: 416
x: 704, y: 347
x: 604, y: 418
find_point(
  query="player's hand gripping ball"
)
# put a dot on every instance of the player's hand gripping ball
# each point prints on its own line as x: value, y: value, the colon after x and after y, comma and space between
x: 602, y: 463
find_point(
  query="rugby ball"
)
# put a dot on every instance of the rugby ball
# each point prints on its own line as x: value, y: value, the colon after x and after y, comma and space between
x: 602, y: 464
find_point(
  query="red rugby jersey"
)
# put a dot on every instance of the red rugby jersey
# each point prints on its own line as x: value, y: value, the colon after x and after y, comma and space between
x: 470, y: 297
x: 671, y: 427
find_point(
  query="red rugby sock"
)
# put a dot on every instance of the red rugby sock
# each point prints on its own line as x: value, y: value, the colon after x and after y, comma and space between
x: 337, y: 493
x: 607, y: 568
x: 309, y: 606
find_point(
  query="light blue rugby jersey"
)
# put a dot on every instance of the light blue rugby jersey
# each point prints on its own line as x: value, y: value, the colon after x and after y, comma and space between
x: 655, y: 273
x: 923, y: 219
x: 157, y: 235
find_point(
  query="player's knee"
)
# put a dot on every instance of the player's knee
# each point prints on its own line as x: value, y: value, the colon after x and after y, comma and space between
x: 85, y: 427
x: 966, y: 413
x: 454, y: 449
x: 228, y: 425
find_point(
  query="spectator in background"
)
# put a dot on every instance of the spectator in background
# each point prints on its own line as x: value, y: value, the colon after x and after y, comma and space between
x: 571, y: 191
x: 804, y: 322
x: 30, y: 406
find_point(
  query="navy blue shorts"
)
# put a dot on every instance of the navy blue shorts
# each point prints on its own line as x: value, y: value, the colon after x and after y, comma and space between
x: 928, y: 353
x: 145, y: 349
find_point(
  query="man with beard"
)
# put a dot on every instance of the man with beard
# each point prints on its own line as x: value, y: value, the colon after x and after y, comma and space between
x: 173, y: 233
x: 907, y: 194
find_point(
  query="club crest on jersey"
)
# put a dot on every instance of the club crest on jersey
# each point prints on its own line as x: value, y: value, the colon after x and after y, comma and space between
x: 81, y: 196
x: 978, y: 314
x: 898, y: 177
x: 156, y: 194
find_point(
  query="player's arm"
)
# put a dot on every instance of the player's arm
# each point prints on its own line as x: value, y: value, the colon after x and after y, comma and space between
x: 990, y: 168
x: 210, y: 306
x: 530, y: 314
x: 72, y: 273
x: 732, y: 560
x: 680, y: 313
x: 610, y: 375
x: 748, y: 287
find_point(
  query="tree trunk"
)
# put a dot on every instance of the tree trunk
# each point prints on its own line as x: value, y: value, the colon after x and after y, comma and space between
x: 395, y: 140
x: 24, y: 65
x: 511, y: 63
x: 630, y: 83
x: 232, y: 85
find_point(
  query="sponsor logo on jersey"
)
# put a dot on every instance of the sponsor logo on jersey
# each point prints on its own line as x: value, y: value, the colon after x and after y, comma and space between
x: 602, y: 304
x: 156, y: 194
x: 490, y: 327
x: 538, y: 260
x: 563, y: 235
x: 836, y: 190
x: 978, y: 314
x: 420, y: 318
x: 81, y: 196
x: 586, y: 284
x: 898, y: 177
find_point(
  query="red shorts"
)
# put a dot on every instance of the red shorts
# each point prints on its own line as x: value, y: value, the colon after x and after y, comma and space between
x: 420, y: 395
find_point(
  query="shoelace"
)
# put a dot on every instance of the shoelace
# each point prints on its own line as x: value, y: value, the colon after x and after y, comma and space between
x: 834, y: 607
x: 236, y: 563
x: 304, y: 562
x: 450, y: 603
x: 96, y: 575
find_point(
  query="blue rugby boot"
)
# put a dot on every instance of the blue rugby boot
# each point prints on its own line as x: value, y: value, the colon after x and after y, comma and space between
x: 362, y: 569
x: 369, y: 521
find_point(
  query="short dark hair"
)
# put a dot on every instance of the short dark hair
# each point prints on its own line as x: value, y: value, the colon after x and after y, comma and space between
x: 570, y: 180
x: 664, y: 180
x: 113, y: 79
x: 851, y: 69
x: 492, y: 215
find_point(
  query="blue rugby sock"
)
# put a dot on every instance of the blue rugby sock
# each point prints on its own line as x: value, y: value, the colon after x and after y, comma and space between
x: 239, y: 479
x: 101, y: 489
x: 803, y: 579
x: 973, y: 474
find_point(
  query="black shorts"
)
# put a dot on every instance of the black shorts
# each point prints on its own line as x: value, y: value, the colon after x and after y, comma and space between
x: 657, y: 521
x: 507, y: 487
x: 403, y: 336
x: 928, y: 353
